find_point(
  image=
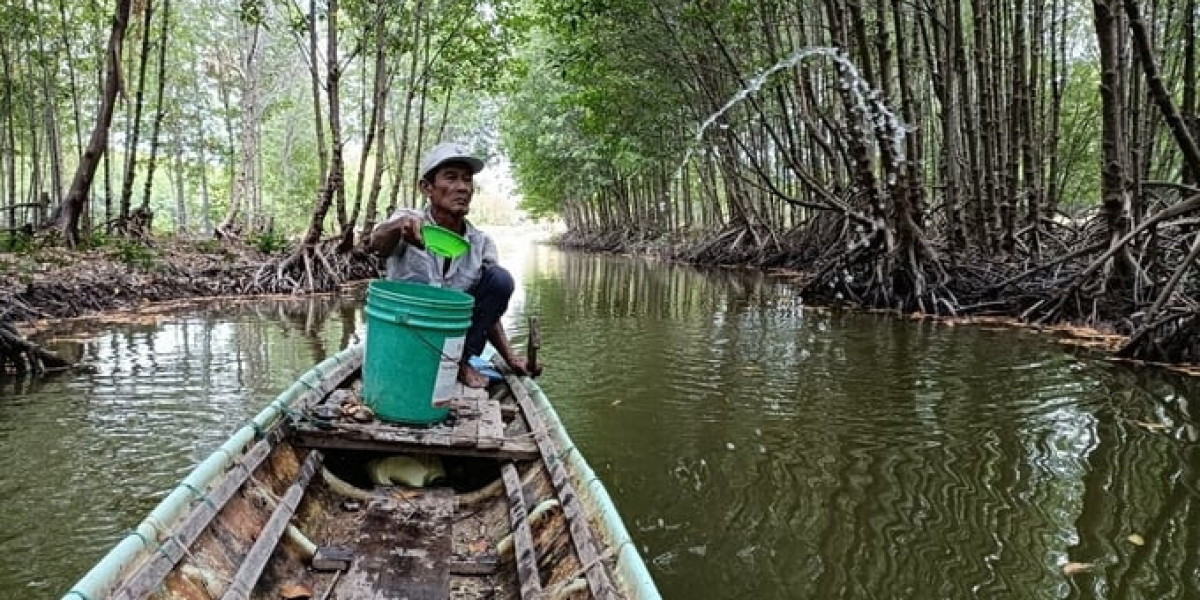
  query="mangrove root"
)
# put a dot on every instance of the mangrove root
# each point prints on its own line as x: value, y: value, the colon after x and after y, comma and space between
x: 21, y: 356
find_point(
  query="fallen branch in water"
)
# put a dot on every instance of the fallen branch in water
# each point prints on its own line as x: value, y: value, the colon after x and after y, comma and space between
x: 25, y: 356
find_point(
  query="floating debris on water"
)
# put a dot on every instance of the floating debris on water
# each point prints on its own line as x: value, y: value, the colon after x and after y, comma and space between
x: 1074, y: 568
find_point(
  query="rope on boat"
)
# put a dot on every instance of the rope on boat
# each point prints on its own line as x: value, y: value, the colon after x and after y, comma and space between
x: 153, y: 523
x: 151, y: 544
x: 565, y: 451
x: 304, y: 381
x: 228, y: 455
x: 298, y: 416
x: 162, y: 549
x: 199, y: 494
x: 134, y: 532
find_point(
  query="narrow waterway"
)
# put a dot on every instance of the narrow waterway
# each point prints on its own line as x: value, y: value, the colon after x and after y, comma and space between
x: 756, y: 448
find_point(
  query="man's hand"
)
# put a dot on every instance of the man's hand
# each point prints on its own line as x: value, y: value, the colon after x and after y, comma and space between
x: 388, y: 234
x: 410, y: 231
x: 520, y: 367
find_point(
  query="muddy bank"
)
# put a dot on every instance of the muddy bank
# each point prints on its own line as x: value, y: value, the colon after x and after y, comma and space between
x: 55, y: 283
x: 51, y: 283
x: 984, y: 289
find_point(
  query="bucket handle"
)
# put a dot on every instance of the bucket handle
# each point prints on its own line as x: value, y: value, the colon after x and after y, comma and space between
x: 404, y: 318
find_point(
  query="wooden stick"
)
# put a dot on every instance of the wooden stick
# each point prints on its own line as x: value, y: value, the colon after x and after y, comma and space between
x: 252, y: 567
x: 40, y: 360
x: 526, y: 554
x: 150, y: 577
x: 532, y: 347
x: 577, y: 523
x: 331, y: 585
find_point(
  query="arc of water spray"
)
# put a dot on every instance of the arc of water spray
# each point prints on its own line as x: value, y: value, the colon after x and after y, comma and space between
x: 866, y: 99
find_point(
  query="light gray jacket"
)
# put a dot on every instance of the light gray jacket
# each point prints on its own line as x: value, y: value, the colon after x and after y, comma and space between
x: 409, y: 263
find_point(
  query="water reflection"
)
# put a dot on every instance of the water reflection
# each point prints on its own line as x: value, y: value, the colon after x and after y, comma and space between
x: 756, y: 448
x: 760, y: 449
x: 88, y: 455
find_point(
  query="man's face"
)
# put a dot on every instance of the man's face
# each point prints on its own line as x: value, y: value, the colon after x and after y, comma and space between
x: 451, y: 189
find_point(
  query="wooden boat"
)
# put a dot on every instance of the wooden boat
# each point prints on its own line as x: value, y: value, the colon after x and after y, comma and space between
x: 499, y: 504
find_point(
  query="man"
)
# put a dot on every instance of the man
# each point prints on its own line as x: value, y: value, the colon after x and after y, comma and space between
x: 447, y: 182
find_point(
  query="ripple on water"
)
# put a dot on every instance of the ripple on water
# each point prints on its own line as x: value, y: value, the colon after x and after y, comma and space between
x: 852, y: 458
x: 756, y: 449
x: 88, y: 455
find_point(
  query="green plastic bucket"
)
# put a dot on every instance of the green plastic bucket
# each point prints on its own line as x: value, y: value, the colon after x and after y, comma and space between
x: 415, y: 336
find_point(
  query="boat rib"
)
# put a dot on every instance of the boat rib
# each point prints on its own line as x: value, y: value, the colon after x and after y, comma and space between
x: 485, y: 505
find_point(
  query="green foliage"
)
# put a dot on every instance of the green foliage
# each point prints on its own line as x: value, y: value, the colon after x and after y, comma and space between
x: 251, y: 12
x: 20, y: 242
x: 54, y: 48
x: 598, y: 101
x: 542, y: 136
x: 1079, y: 146
x: 22, y: 267
x: 210, y: 246
x: 270, y: 241
x: 98, y: 239
x: 133, y: 253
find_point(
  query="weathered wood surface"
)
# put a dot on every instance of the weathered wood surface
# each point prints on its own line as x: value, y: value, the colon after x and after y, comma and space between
x: 404, y: 550
x: 252, y: 567
x: 586, y: 545
x: 491, y: 425
x: 465, y: 418
x: 526, y: 553
x: 476, y: 429
x: 150, y: 576
x: 322, y: 440
x: 475, y: 566
x: 532, y: 347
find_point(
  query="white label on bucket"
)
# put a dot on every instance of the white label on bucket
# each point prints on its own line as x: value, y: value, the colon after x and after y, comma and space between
x: 444, y: 387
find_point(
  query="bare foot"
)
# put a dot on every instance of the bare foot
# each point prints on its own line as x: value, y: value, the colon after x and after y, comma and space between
x: 468, y: 376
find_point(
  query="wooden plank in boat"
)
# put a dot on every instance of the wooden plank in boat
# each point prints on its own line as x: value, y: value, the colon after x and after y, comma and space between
x: 404, y: 549
x: 475, y: 565
x: 466, y: 423
x: 526, y: 553
x: 150, y: 576
x: 491, y: 425
x: 581, y: 531
x: 509, y: 450
x: 252, y: 567
x: 384, y: 437
x: 393, y: 440
x: 467, y: 407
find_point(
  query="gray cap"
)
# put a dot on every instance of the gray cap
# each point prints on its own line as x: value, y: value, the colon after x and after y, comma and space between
x: 449, y: 152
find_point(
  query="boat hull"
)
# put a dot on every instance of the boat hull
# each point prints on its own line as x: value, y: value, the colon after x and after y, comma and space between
x: 314, y: 498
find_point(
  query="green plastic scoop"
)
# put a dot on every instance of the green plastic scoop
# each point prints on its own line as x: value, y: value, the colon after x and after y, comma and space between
x: 444, y: 242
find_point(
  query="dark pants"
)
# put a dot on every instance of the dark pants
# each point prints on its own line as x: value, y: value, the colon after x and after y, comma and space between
x: 491, y: 294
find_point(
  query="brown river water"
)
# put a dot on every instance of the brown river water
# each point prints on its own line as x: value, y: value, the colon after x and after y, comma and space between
x: 756, y: 448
